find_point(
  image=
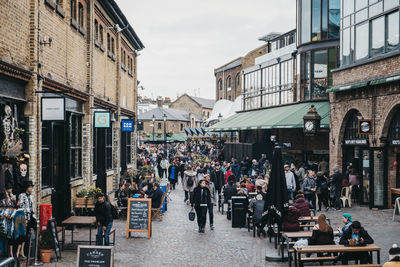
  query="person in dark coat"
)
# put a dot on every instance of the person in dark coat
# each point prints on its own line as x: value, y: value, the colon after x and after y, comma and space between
x: 291, y: 222
x: 337, y: 179
x: 322, y: 233
x: 104, y: 220
x: 257, y: 206
x: 322, y: 191
x: 201, y: 201
x: 356, y: 235
x: 235, y: 167
x: 302, y: 205
x: 218, y: 178
x: 229, y: 191
x: 156, y: 196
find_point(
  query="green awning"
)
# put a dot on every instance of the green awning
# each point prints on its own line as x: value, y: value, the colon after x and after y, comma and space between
x: 177, y: 137
x: 290, y: 116
x: 385, y: 80
x: 346, y: 87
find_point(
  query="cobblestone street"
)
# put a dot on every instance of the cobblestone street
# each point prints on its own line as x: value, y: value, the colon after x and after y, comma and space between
x: 176, y: 242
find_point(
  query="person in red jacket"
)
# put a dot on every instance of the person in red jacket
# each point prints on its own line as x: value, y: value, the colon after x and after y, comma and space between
x: 291, y: 223
x: 302, y: 205
x: 227, y: 174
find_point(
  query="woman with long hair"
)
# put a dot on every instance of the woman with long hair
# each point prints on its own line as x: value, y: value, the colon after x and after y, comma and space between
x: 322, y: 233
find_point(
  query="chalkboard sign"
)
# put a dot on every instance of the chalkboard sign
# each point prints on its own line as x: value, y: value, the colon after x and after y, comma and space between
x: 95, y: 256
x: 138, y: 216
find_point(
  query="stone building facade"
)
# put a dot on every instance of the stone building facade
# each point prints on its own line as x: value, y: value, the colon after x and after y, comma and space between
x: 84, y: 52
x: 201, y: 107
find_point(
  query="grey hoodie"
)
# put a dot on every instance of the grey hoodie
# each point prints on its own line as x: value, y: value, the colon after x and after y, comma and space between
x: 193, y: 174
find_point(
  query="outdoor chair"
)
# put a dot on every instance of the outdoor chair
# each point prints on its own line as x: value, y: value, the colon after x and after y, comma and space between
x: 346, y: 196
x: 157, y: 212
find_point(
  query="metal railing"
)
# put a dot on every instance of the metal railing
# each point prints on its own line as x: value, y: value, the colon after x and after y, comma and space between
x: 9, y: 262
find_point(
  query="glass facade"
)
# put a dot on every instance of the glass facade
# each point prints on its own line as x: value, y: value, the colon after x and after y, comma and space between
x: 319, y: 20
x: 369, y: 28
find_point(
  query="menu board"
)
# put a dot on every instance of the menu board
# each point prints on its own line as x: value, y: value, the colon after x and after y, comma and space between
x: 138, y: 216
x: 95, y: 256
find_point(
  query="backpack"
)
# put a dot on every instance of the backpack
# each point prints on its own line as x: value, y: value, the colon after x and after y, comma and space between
x: 114, y: 211
x: 190, y: 181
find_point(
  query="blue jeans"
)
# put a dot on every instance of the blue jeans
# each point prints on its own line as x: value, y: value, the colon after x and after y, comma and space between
x: 106, y: 235
x: 290, y: 193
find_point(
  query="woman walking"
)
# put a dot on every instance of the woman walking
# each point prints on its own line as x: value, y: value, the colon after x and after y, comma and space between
x: 322, y: 191
x: 201, y: 202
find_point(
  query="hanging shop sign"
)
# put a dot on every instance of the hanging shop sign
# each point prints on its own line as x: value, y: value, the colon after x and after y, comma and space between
x: 396, y: 142
x: 127, y: 125
x: 356, y: 142
x: 53, y: 108
x: 102, y: 119
x: 364, y: 126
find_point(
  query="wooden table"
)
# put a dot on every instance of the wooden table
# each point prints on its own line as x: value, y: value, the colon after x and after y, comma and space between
x: 78, y: 221
x: 306, y: 219
x: 335, y: 248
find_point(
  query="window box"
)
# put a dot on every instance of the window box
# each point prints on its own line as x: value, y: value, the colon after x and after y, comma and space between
x: 123, y: 66
x: 102, y: 47
x: 82, y: 30
x: 111, y: 55
x: 51, y: 3
x: 74, y: 24
x: 60, y: 11
x: 130, y: 73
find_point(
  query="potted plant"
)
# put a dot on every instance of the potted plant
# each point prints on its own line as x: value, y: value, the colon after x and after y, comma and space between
x: 46, y: 246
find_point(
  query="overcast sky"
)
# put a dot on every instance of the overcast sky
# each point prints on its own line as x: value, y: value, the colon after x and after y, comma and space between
x: 186, y: 39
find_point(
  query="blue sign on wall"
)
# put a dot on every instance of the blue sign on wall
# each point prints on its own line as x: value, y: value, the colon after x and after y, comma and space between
x: 127, y: 125
x: 102, y: 119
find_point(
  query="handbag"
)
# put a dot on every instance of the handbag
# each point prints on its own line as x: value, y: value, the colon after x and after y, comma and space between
x: 192, y: 215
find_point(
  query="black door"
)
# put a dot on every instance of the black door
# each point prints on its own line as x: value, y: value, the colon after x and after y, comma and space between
x: 123, y: 151
x: 60, y: 177
x: 100, y: 157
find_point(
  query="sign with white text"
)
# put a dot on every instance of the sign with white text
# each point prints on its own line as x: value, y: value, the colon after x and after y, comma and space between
x: 127, y: 125
x: 95, y: 256
x: 53, y: 108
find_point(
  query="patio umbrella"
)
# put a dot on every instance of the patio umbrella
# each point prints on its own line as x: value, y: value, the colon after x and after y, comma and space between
x: 277, y: 200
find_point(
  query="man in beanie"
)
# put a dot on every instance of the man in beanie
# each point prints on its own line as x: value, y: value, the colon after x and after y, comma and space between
x: 356, y: 236
x: 394, y: 257
x: 347, y: 221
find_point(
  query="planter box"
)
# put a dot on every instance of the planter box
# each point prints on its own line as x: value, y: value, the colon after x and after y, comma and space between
x: 83, y: 203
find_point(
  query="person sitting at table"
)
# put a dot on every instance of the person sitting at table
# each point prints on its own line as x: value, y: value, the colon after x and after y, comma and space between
x: 229, y: 191
x: 156, y: 196
x: 257, y: 206
x: 249, y: 185
x: 322, y: 233
x: 394, y: 257
x: 291, y: 222
x: 243, y: 187
x: 121, y: 196
x: 302, y: 205
x: 347, y: 221
x: 353, y: 236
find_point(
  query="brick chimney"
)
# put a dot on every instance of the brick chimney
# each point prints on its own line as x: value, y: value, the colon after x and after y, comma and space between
x: 160, y: 102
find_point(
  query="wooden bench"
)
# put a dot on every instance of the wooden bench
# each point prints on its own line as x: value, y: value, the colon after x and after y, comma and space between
x: 351, y: 265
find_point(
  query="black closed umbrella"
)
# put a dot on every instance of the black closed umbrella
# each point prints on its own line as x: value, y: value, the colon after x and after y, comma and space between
x: 277, y: 199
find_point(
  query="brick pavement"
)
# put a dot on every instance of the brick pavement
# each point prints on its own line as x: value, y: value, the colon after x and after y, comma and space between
x: 176, y: 242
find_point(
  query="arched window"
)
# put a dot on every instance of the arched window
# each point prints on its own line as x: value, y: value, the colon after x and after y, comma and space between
x: 220, y: 84
x: 96, y: 30
x: 228, y: 82
x: 73, y: 9
x: 237, y: 80
x: 80, y: 11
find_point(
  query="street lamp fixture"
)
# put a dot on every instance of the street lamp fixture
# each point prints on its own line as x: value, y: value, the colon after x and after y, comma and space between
x: 154, y: 120
x: 165, y: 134
x: 220, y: 132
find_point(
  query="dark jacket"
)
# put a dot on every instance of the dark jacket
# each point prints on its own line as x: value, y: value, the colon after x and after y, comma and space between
x: 321, y: 238
x: 218, y: 178
x: 170, y: 171
x: 235, y: 169
x: 156, y: 196
x: 308, y: 184
x: 303, y: 206
x: 344, y: 240
x: 258, y: 209
x: 291, y: 223
x: 103, y: 213
x: 198, y: 200
x: 337, y: 178
x: 229, y: 191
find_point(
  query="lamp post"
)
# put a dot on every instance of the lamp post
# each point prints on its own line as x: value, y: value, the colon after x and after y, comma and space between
x: 220, y: 132
x: 154, y: 121
x: 165, y: 134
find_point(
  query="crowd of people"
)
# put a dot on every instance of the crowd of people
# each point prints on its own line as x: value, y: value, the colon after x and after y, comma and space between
x: 207, y: 178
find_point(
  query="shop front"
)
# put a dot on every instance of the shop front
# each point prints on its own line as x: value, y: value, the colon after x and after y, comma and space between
x: 394, y: 156
x: 127, y: 128
x: 61, y: 153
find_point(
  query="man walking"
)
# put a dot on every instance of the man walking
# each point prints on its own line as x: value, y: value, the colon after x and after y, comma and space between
x: 104, y: 220
x: 217, y: 177
x: 290, y: 182
x: 211, y: 187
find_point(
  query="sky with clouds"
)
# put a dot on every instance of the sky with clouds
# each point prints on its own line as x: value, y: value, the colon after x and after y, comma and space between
x: 185, y: 40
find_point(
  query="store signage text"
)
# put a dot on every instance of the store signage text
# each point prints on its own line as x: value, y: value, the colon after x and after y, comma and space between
x: 356, y: 142
x: 102, y: 119
x: 396, y: 142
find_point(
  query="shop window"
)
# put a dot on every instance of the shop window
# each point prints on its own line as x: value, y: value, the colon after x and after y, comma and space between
x: 73, y: 9
x: 128, y: 148
x: 351, y: 131
x: 108, y: 132
x: 80, y: 14
x: 159, y: 126
x: 76, y: 146
x: 394, y: 130
x: 94, y: 142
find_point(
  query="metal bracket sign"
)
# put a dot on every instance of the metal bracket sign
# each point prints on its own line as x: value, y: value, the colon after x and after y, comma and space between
x: 102, y: 119
x: 127, y: 125
x: 53, y: 108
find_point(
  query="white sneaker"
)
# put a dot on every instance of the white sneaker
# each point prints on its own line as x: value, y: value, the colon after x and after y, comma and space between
x: 211, y: 227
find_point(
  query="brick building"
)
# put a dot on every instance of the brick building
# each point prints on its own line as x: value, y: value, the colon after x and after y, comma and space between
x: 202, y: 107
x: 365, y: 101
x: 84, y: 52
x: 228, y: 77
